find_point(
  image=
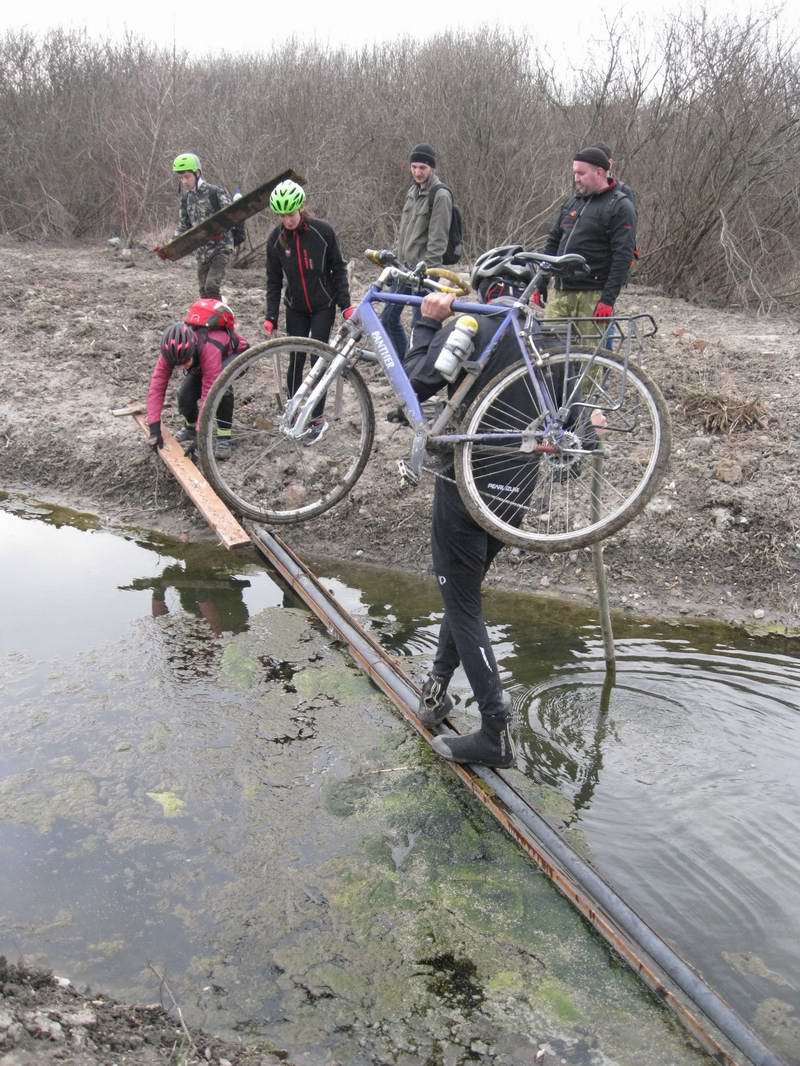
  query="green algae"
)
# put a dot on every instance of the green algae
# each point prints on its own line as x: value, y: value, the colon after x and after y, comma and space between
x: 171, y: 804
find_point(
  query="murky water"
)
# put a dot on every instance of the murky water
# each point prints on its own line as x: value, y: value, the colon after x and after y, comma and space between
x: 192, y: 777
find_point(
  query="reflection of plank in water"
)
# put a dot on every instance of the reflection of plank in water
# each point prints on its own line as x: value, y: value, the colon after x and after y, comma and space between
x: 199, y: 491
x: 222, y: 220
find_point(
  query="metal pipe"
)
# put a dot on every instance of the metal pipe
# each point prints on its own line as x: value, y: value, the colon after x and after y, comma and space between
x: 647, y: 954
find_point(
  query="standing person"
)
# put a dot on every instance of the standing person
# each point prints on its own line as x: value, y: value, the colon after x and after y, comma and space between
x: 599, y: 223
x: 199, y: 200
x: 303, y: 255
x: 200, y: 346
x: 423, y: 234
x: 462, y: 550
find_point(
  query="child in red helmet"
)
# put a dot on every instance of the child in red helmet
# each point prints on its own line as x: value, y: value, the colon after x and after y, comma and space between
x: 200, y: 345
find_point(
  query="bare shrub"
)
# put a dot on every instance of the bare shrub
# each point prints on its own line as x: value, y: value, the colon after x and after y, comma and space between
x: 705, y: 124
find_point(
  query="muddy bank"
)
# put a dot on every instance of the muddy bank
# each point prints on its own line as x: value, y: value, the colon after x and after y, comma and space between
x: 721, y: 539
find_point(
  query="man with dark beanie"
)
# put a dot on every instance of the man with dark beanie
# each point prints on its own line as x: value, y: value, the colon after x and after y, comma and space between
x: 599, y: 223
x: 424, y: 230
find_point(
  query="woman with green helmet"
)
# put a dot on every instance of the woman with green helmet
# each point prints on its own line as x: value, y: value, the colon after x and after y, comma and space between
x: 305, y: 263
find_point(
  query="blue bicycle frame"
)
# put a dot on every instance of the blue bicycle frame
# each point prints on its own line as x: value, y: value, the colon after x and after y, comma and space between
x: 393, y: 368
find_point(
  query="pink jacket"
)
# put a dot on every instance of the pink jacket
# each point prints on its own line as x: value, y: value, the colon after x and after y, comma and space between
x: 210, y: 361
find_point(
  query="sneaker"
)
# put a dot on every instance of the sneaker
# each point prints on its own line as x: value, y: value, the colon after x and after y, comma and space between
x: 187, y: 435
x: 397, y: 414
x: 483, y: 747
x: 434, y: 703
x: 222, y: 448
x: 315, y: 432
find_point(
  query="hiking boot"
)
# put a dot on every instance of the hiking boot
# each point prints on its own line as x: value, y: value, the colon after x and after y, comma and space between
x: 491, y: 745
x: 434, y: 703
x: 483, y: 747
x: 187, y: 435
x: 316, y: 431
x: 222, y: 448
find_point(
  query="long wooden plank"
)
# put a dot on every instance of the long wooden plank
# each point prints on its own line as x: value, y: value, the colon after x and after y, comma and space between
x: 249, y: 204
x: 199, y: 491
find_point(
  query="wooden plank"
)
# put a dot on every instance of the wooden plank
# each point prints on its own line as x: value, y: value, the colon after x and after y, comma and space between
x: 249, y: 204
x: 199, y: 491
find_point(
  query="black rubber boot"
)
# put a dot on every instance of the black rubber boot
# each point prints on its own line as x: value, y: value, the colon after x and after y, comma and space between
x: 434, y: 703
x: 491, y: 745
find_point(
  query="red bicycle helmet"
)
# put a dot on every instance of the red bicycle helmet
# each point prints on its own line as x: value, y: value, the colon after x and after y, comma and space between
x: 178, y: 343
x: 210, y: 314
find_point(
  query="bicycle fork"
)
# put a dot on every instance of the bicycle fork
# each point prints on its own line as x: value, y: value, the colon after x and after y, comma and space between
x: 300, y: 408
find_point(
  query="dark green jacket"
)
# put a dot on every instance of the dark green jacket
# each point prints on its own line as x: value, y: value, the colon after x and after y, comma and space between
x: 425, y: 223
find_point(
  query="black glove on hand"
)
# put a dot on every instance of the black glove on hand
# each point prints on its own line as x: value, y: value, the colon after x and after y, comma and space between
x: 155, y: 440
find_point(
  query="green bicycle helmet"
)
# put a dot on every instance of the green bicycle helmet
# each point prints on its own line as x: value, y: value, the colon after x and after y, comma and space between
x: 185, y: 161
x: 287, y: 198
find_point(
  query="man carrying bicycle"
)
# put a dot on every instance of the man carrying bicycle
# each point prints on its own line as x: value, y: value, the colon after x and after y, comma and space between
x: 599, y: 223
x: 462, y: 550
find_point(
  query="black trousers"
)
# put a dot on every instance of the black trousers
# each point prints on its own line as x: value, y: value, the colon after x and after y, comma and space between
x: 189, y: 400
x: 462, y: 554
x: 316, y: 325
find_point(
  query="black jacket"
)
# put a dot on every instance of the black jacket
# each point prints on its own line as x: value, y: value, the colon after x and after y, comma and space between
x: 602, y: 228
x: 312, y: 266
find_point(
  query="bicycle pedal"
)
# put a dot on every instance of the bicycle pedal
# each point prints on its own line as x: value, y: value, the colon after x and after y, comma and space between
x: 407, y: 475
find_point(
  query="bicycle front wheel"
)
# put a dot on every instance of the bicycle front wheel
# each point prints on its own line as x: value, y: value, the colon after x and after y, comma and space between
x: 556, y: 483
x: 267, y: 475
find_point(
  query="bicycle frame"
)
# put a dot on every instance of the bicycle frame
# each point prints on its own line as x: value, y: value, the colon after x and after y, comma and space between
x: 320, y: 377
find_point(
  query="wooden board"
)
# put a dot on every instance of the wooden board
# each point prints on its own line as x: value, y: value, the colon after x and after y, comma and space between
x: 199, y: 491
x: 249, y: 204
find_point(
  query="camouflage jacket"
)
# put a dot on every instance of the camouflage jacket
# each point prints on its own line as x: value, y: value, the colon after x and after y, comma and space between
x: 197, y: 206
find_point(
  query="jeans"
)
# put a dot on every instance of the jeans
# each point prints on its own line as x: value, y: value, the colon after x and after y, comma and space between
x: 391, y: 318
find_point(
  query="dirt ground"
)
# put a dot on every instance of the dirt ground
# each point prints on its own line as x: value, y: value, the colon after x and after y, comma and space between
x: 45, y: 1019
x: 80, y: 329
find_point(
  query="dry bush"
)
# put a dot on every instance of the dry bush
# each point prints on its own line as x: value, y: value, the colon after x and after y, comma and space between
x: 705, y: 123
x: 724, y: 414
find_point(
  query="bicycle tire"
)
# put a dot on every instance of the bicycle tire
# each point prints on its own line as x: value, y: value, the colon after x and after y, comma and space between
x: 585, y: 490
x: 270, y: 477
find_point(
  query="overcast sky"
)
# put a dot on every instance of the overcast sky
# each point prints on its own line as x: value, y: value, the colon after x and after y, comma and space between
x: 201, y: 25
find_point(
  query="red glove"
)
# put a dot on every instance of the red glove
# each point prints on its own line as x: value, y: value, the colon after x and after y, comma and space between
x: 160, y: 252
x: 603, y: 310
x: 269, y: 326
x: 347, y: 312
x: 538, y: 299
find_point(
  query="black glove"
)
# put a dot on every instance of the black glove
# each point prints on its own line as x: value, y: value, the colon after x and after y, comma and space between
x: 155, y: 440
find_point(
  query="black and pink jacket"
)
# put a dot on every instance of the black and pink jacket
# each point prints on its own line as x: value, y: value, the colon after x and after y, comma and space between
x: 218, y: 347
x: 311, y: 264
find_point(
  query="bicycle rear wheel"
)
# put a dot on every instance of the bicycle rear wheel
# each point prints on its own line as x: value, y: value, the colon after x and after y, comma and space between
x: 553, y: 485
x: 269, y: 476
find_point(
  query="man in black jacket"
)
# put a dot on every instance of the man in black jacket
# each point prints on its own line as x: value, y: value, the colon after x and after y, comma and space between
x: 599, y: 223
x: 462, y: 550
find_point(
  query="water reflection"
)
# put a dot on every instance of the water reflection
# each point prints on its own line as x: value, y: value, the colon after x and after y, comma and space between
x: 218, y: 601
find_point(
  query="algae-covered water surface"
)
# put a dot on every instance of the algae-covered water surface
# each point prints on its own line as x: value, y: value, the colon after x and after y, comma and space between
x: 195, y: 782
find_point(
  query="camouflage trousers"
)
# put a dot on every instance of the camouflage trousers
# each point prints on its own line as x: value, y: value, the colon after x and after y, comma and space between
x: 211, y: 273
x: 574, y: 303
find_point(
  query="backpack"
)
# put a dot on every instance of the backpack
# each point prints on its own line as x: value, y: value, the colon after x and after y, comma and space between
x: 455, y: 236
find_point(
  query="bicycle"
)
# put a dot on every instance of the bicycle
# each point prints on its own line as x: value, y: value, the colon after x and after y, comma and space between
x: 556, y: 452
